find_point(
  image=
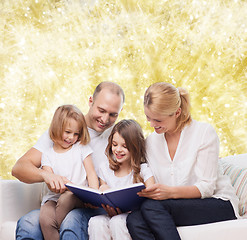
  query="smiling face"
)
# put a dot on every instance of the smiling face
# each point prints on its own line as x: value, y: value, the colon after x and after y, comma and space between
x: 119, y: 149
x: 70, y: 135
x: 162, y: 123
x: 104, y: 110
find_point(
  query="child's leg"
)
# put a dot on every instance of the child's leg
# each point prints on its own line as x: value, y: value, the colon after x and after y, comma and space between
x: 66, y: 202
x: 48, y: 222
x: 98, y: 228
x: 118, y: 227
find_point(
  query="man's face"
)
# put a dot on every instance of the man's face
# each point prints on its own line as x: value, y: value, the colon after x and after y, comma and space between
x: 104, y: 110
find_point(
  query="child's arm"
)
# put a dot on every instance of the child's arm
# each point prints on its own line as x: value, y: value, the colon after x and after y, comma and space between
x: 149, y: 182
x: 103, y: 185
x: 92, y: 177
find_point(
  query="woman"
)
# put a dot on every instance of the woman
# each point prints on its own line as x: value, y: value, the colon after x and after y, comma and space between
x: 183, y: 155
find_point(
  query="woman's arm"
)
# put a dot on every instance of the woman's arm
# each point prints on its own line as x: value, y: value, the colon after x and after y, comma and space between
x: 92, y: 177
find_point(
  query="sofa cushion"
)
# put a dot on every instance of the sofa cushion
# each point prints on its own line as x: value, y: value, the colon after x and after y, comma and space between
x: 238, y: 176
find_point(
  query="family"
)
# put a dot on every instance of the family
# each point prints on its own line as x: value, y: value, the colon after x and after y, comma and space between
x: 178, y: 163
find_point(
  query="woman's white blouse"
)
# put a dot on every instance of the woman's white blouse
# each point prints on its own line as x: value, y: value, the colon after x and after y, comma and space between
x: 195, y: 162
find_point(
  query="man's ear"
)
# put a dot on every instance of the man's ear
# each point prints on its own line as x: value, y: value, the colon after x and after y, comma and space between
x: 90, y: 103
x: 178, y: 112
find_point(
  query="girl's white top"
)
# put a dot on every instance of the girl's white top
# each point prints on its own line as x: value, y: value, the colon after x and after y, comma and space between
x: 68, y: 164
x: 108, y: 176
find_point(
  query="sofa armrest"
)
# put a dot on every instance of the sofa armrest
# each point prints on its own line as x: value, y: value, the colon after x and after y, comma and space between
x: 18, y: 198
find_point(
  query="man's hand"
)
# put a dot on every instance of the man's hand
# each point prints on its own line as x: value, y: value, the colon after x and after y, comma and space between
x: 55, y: 182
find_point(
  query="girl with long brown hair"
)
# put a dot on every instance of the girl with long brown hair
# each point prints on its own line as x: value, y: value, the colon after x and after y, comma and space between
x: 126, y: 152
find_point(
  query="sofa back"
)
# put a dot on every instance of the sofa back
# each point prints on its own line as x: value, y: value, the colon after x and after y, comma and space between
x: 18, y: 198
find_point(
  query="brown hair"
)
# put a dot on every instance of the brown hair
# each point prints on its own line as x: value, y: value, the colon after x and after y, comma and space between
x: 61, y: 118
x: 163, y: 98
x: 132, y: 134
x: 113, y: 87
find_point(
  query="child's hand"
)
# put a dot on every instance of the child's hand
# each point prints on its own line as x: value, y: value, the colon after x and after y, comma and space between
x: 111, y: 211
x: 54, y: 182
x: 103, y: 187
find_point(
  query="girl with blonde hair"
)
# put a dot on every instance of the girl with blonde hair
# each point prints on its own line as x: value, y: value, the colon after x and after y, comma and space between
x: 69, y: 157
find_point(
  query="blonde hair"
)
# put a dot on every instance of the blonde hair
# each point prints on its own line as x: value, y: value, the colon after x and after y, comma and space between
x: 132, y: 134
x: 61, y: 117
x: 164, y: 99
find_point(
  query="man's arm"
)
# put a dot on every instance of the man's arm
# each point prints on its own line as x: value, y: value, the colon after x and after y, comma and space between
x: 27, y: 169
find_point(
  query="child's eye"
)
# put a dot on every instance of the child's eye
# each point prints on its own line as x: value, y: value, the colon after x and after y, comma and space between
x: 114, y: 144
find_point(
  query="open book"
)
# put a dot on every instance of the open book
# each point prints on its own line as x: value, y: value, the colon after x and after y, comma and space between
x: 125, y: 198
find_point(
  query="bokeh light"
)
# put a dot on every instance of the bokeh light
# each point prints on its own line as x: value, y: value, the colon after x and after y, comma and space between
x: 56, y: 52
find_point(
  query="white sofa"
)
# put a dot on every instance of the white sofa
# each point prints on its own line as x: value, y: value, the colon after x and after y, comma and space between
x: 18, y: 198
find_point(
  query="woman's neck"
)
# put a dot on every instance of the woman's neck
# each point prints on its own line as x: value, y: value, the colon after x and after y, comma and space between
x: 172, y: 142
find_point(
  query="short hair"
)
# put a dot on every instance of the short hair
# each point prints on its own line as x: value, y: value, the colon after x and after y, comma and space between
x: 165, y: 99
x: 61, y: 118
x: 132, y: 134
x: 112, y: 87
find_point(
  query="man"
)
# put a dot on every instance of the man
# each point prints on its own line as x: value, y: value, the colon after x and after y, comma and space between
x: 104, y: 108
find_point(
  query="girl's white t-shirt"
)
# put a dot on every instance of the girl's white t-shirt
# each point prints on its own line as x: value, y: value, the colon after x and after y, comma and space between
x: 109, y: 177
x: 68, y: 164
x: 98, y: 143
x: 195, y: 162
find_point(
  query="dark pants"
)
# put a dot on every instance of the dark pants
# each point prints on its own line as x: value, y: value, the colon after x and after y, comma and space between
x: 158, y: 219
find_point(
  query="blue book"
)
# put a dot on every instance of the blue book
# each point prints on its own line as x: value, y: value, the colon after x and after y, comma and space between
x: 125, y: 198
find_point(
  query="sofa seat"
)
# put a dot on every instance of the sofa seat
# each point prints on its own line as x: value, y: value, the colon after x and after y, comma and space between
x: 18, y: 198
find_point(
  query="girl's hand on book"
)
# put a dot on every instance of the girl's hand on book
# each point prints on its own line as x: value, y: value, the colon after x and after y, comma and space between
x: 103, y: 187
x: 89, y: 205
x: 55, y: 182
x: 111, y: 211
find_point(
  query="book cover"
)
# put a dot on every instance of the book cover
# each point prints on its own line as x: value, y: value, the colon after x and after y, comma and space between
x: 126, y: 198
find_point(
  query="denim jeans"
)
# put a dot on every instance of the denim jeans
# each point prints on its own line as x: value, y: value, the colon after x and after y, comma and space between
x: 73, y: 227
x: 158, y: 220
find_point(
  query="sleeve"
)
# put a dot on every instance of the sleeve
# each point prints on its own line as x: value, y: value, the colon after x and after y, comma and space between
x: 206, y: 167
x: 46, y: 161
x: 103, y: 171
x: 44, y: 142
x: 85, y: 151
x: 146, y: 172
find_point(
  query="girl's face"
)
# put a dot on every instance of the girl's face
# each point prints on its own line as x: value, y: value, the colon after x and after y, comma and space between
x: 160, y: 123
x: 70, y: 134
x: 119, y: 149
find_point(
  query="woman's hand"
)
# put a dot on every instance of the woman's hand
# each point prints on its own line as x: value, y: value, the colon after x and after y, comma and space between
x: 157, y: 191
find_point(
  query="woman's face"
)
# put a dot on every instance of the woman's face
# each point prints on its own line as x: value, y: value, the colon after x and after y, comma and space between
x: 161, y: 123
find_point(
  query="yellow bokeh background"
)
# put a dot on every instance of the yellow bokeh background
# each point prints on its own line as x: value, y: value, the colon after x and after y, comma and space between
x: 56, y: 52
